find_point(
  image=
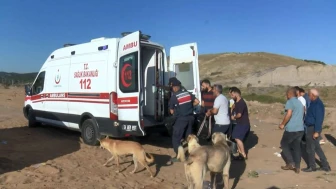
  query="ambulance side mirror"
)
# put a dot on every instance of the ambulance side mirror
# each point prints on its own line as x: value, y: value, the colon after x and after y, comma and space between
x: 27, y: 90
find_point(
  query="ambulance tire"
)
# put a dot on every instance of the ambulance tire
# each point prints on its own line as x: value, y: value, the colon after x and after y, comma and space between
x: 89, y: 132
x: 31, y: 118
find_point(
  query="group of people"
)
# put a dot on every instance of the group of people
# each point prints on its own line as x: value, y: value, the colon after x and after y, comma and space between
x: 230, y: 119
x: 303, y: 126
x: 304, y: 115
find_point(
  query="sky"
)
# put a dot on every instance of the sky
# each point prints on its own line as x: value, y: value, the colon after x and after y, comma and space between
x: 31, y: 29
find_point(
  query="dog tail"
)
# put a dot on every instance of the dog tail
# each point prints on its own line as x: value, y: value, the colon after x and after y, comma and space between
x: 150, y: 159
x: 181, y: 154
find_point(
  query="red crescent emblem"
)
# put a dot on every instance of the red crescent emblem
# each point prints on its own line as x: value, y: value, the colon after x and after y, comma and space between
x: 59, y: 78
x: 124, y: 83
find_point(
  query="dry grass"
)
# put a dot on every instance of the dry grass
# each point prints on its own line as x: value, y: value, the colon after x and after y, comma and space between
x: 227, y: 66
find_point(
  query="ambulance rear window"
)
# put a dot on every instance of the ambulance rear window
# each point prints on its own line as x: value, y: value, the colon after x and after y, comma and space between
x: 185, y: 74
x: 128, y: 69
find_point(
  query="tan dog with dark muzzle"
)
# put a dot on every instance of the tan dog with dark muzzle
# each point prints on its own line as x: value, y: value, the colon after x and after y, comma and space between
x: 215, y: 158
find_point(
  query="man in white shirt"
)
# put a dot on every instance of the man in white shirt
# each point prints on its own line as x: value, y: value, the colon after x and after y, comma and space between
x: 301, y: 98
x: 220, y: 111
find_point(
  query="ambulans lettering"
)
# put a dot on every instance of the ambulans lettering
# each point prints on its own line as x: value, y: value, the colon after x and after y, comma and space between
x: 56, y: 95
x: 130, y: 45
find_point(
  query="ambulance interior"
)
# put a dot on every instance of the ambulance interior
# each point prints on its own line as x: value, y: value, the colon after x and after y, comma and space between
x: 154, y: 104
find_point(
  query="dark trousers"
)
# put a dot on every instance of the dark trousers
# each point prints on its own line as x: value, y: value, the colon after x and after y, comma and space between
x: 221, y: 128
x: 234, y: 147
x: 182, y: 127
x: 291, y: 142
x: 312, y: 147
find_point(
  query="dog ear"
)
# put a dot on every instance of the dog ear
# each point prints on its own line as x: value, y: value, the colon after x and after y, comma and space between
x: 213, y: 136
x: 188, y: 138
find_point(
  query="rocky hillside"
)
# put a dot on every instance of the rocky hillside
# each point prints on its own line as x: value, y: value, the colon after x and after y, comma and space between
x: 264, y: 69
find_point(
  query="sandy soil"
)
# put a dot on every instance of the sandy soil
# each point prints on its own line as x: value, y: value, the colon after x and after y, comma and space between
x: 54, y: 158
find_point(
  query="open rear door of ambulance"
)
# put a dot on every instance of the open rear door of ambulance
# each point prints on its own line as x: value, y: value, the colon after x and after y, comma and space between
x: 183, y: 63
x: 129, y: 85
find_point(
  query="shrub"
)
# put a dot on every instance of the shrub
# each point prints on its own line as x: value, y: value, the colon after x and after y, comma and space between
x: 6, y: 85
x: 267, y: 99
x: 315, y: 61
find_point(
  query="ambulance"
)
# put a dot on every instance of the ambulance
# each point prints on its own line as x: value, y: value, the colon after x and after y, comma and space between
x: 108, y: 86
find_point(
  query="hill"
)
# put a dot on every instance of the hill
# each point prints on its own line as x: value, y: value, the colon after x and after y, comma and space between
x: 258, y: 69
x: 17, y: 78
x: 263, y: 69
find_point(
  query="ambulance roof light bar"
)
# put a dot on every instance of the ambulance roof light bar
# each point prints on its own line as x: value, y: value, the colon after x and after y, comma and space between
x: 68, y: 45
x: 143, y: 37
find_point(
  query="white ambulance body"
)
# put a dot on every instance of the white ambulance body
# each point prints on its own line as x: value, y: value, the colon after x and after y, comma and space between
x: 108, y: 86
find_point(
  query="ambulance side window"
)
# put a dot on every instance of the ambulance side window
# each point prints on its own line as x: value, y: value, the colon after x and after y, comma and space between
x: 39, y: 84
x: 128, y: 69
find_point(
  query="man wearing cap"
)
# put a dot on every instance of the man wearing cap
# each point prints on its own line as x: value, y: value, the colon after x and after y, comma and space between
x: 169, y: 87
x: 181, y: 106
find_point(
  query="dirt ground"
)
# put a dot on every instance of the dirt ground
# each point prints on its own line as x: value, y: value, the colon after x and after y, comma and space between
x: 54, y: 158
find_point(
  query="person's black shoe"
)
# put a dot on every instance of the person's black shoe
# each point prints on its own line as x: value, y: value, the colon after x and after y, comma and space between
x: 308, y: 169
x: 326, y: 169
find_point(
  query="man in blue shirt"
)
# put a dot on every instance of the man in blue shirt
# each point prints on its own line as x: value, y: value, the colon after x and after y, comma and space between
x: 294, y: 130
x: 313, y: 121
x: 181, y: 106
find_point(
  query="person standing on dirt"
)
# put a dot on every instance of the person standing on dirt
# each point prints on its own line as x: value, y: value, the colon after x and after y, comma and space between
x: 294, y: 130
x: 242, y: 129
x: 234, y: 148
x: 181, y: 106
x: 208, y: 96
x: 304, y: 95
x: 220, y: 111
x: 313, y: 121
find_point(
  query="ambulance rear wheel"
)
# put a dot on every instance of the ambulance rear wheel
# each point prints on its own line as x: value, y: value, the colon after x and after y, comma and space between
x: 89, y: 131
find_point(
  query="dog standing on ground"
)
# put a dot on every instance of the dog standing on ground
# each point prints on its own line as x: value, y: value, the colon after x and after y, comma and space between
x: 119, y: 147
x: 215, y: 158
x: 192, y: 142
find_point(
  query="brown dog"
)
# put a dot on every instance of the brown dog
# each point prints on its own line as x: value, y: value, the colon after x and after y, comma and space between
x: 215, y: 158
x: 118, y: 147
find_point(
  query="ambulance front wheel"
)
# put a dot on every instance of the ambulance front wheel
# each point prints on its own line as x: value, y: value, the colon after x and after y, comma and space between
x: 90, y: 132
x: 31, y: 118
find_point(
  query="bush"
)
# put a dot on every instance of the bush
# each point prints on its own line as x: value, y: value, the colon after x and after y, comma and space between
x: 267, y: 99
x: 315, y: 61
x: 6, y: 85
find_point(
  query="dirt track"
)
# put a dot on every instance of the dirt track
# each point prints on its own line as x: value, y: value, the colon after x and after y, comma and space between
x: 55, y: 158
